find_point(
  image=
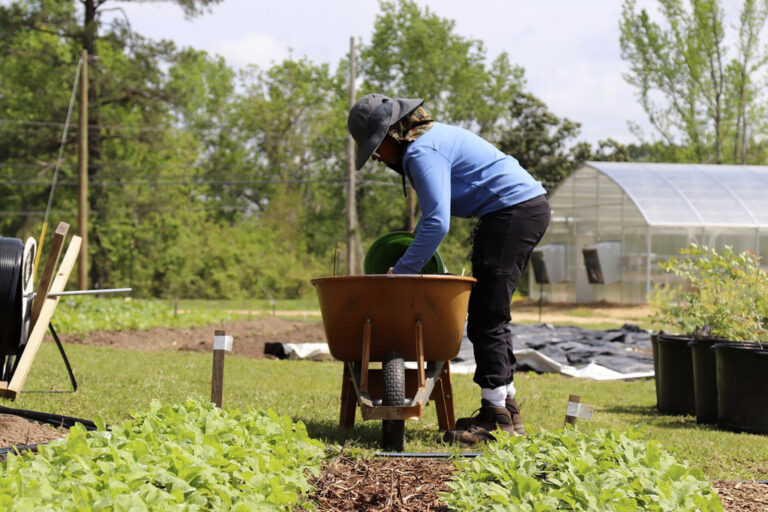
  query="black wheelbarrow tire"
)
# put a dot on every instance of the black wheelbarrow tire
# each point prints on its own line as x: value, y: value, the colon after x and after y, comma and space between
x: 393, y: 393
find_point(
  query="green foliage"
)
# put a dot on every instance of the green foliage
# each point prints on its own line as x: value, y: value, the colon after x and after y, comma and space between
x: 704, y: 101
x: 208, y: 183
x: 538, y: 139
x: 114, y: 382
x: 415, y: 53
x: 82, y: 314
x: 604, y: 470
x: 191, y: 456
x: 724, y: 294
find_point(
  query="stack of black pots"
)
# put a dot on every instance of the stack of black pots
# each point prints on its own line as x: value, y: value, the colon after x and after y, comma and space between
x: 719, y: 381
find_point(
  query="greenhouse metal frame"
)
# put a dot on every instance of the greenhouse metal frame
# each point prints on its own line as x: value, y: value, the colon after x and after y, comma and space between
x: 632, y: 216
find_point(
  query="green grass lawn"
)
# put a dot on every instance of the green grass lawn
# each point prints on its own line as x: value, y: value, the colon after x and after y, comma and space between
x: 115, y: 382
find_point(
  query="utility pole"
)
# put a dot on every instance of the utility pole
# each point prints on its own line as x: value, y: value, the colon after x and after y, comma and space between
x: 353, y: 238
x: 82, y: 181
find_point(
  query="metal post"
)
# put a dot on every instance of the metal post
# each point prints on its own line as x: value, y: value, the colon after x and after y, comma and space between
x: 648, y: 263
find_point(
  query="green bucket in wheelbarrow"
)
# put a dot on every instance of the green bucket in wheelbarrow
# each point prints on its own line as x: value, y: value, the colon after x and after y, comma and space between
x: 387, y: 249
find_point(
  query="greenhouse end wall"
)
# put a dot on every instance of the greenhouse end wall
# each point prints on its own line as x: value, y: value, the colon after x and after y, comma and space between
x: 590, y: 207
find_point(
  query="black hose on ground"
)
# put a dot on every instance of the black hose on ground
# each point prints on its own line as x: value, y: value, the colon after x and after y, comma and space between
x: 57, y: 420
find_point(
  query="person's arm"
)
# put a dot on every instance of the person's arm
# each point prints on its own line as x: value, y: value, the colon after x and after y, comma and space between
x: 431, y: 177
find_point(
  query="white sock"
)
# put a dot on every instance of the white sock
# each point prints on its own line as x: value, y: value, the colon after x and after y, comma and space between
x: 511, y: 390
x: 496, y: 396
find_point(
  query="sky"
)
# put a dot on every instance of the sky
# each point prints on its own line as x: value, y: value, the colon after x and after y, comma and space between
x: 568, y: 48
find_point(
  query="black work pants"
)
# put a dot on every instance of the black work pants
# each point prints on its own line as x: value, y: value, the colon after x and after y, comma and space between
x: 502, y: 245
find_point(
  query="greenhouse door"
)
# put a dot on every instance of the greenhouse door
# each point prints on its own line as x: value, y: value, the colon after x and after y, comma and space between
x: 585, y: 292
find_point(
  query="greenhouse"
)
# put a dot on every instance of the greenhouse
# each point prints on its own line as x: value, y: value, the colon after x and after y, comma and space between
x: 614, y: 222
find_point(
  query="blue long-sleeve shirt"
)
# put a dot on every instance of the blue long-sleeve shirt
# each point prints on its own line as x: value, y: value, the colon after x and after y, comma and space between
x: 456, y: 172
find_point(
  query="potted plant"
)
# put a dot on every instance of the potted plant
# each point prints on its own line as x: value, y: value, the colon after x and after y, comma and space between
x: 719, y: 306
x: 742, y: 368
x: 672, y: 364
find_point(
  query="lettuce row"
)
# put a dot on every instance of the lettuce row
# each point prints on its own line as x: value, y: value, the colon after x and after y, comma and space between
x: 569, y: 470
x: 187, y: 457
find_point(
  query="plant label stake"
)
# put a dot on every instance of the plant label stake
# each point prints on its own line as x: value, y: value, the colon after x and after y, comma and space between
x: 575, y: 409
x: 221, y: 344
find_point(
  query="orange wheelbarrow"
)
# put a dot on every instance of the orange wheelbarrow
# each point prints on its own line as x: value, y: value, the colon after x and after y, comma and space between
x: 393, y: 319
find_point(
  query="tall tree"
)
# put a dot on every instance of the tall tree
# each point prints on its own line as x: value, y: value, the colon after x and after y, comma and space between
x: 113, y: 92
x: 696, y: 95
x: 542, y: 142
x: 415, y: 53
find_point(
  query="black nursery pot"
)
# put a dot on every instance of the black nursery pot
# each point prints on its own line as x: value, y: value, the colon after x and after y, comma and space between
x: 742, y: 380
x: 655, y: 349
x: 705, y: 379
x: 674, y: 375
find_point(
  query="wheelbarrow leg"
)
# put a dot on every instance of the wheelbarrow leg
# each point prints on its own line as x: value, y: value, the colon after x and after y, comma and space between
x: 348, y: 400
x: 443, y: 398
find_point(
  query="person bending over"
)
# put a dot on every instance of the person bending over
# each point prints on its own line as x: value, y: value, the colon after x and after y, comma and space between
x: 456, y: 172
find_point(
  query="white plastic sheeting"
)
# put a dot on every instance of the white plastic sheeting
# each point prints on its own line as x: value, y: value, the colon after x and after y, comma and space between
x: 622, y: 354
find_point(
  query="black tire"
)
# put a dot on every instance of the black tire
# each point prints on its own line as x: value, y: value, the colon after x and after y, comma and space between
x: 393, y: 393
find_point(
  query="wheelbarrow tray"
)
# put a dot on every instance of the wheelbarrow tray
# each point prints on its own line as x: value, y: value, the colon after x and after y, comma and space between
x: 393, y: 306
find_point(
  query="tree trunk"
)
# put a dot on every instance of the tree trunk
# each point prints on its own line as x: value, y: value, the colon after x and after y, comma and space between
x: 98, y: 270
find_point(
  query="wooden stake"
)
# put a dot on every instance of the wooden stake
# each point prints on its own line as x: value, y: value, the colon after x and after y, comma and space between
x: 221, y: 344
x: 82, y: 180
x: 48, y: 272
x: 571, y: 420
x: 353, y: 237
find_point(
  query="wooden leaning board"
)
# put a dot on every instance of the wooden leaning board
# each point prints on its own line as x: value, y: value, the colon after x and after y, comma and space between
x: 52, y: 280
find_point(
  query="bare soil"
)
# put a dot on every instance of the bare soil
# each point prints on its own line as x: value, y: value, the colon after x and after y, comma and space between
x: 17, y: 431
x: 249, y: 336
x: 391, y: 484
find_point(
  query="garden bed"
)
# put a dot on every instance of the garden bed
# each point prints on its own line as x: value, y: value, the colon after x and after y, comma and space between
x: 249, y: 336
x: 391, y: 484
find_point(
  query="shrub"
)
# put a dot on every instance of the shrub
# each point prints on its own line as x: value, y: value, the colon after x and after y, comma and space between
x: 725, y: 297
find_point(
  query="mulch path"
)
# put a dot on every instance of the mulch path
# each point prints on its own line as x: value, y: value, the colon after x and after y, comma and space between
x: 412, y: 485
x: 391, y: 484
x: 742, y: 496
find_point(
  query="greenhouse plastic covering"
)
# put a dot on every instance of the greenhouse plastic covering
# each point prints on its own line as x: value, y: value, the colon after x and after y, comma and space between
x: 694, y: 195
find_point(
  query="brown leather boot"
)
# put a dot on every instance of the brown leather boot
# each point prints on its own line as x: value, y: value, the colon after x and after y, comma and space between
x: 479, y: 427
x: 517, y: 418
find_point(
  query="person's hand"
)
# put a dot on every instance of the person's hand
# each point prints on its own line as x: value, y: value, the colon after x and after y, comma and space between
x: 390, y: 270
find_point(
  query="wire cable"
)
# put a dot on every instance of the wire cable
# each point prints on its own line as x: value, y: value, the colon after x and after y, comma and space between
x: 58, y: 166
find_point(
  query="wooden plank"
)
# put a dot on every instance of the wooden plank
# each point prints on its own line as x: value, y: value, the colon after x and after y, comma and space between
x: 442, y: 395
x: 48, y: 272
x: 41, y: 326
x: 420, y: 353
x: 366, y: 356
x: 348, y: 400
